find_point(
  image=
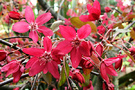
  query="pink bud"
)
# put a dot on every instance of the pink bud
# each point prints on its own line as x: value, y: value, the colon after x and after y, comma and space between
x: 107, y: 9
x: 78, y: 77
x: 14, y: 15
x: 3, y: 55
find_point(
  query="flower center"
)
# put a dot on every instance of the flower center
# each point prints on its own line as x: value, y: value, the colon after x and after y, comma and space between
x: 46, y: 57
x: 75, y: 43
x: 33, y: 26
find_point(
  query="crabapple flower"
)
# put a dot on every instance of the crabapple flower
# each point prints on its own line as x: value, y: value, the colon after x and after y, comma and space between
x: 94, y: 12
x: 101, y: 29
x: 33, y: 25
x: 3, y: 55
x: 15, y: 68
x: 42, y: 59
x: 106, y: 67
x: 105, y: 19
x: 75, y: 43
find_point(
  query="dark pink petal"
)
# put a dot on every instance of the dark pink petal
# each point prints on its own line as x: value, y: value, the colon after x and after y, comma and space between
x: 22, y: 69
x: 3, y: 55
x: 43, y: 18
x: 29, y: 15
x: 84, y: 18
x: 17, y: 76
x: 75, y: 57
x: 37, y: 67
x: 13, y: 68
x: 110, y: 70
x: 31, y: 62
x: 64, y: 47
x: 89, y: 7
x: 118, y: 64
x: 91, y: 18
x: 6, y: 67
x: 53, y: 69
x: 94, y: 14
x: 99, y: 49
x: 33, y: 35
x: 20, y: 27
x: 96, y: 4
x: 84, y: 31
x: 45, y: 70
x: 33, y: 51
x: 46, y: 31
x: 67, y: 32
x: 84, y: 48
x: 109, y: 61
x: 47, y: 44
x: 103, y: 72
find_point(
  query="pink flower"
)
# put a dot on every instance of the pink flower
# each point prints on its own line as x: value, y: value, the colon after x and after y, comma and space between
x: 89, y: 87
x: 105, y: 19
x: 107, y: 9
x: 76, y: 75
x: 101, y: 29
x: 75, y: 43
x: 3, y: 55
x: 106, y: 67
x: 35, y: 26
x: 94, y: 12
x: 42, y: 59
x: 15, y: 68
x: 71, y: 13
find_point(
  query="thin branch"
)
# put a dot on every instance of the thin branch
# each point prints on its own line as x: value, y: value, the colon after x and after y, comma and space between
x: 32, y: 88
x: 129, y: 25
x: 11, y: 80
x: 60, y: 9
x: 16, y: 37
x: 46, y: 6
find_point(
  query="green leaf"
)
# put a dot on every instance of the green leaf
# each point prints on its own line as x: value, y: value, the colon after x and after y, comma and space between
x: 87, y: 79
x: 47, y: 77
x: 63, y: 75
x: 78, y: 23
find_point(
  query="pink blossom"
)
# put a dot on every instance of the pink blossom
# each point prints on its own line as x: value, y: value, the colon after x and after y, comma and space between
x: 35, y: 26
x: 42, y: 59
x: 94, y: 12
x: 106, y: 67
x: 101, y: 29
x: 105, y: 19
x: 74, y: 43
x: 15, y: 68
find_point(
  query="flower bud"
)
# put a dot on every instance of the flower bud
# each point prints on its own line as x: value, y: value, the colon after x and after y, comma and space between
x: 107, y: 9
x: 78, y: 77
x: 3, y: 55
x: 14, y: 15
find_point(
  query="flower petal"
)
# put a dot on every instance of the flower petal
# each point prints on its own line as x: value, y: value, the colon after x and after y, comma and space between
x: 45, y: 70
x: 36, y: 68
x: 43, y: 18
x: 110, y: 70
x: 33, y: 35
x: 29, y: 15
x: 99, y: 49
x: 6, y: 67
x: 46, y: 31
x: 75, y: 57
x: 84, y: 31
x: 31, y: 62
x: 17, y: 76
x: 47, y: 44
x: 53, y: 69
x: 96, y: 4
x: 33, y: 51
x: 103, y: 72
x: 84, y: 48
x: 13, y: 68
x: 67, y: 32
x: 64, y: 47
x: 84, y: 18
x: 20, y: 27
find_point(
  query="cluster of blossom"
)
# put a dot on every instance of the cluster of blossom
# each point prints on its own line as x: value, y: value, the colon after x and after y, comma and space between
x: 73, y: 45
